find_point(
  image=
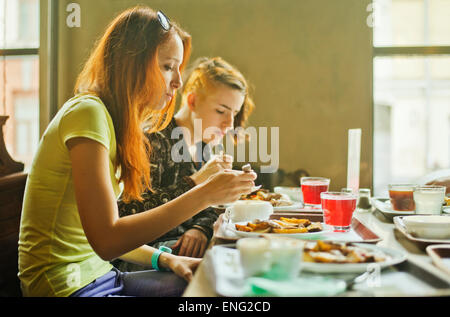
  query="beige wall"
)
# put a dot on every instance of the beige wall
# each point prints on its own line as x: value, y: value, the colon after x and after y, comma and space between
x: 310, y: 63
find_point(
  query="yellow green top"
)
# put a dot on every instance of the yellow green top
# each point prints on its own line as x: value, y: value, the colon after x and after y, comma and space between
x: 55, y: 257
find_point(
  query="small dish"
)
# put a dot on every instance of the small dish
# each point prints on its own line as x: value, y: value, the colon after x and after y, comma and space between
x: 440, y: 255
x: 294, y: 206
x: 428, y: 227
x: 422, y: 243
x: 294, y: 193
x: 385, y: 207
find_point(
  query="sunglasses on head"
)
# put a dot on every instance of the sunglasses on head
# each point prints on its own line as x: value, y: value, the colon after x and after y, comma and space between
x: 163, y: 20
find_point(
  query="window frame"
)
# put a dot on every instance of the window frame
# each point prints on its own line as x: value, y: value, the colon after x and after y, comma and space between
x: 405, y: 51
x: 21, y: 52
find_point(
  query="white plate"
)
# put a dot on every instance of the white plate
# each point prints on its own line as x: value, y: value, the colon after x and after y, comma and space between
x: 295, y: 205
x: 309, y: 235
x: 400, y: 225
x: 396, y: 257
x: 384, y: 205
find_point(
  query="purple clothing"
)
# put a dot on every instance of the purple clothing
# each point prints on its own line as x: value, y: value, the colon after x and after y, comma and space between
x: 149, y: 283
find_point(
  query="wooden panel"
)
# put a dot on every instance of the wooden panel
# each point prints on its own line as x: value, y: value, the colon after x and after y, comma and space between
x: 11, y: 195
x: 309, y: 63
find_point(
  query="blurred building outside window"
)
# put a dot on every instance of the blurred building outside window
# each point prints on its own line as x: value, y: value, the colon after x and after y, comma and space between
x: 411, y: 90
x: 19, y: 77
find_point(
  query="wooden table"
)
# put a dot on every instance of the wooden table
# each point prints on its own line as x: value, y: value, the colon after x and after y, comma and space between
x: 200, y: 286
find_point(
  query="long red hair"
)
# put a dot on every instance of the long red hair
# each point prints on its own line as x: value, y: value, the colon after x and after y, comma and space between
x: 123, y: 71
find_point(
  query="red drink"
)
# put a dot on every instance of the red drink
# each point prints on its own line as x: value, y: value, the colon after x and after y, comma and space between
x: 311, y: 189
x: 338, y: 210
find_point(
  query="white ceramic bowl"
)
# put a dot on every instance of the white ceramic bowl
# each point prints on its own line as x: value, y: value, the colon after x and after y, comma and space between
x: 428, y: 227
x: 294, y: 193
x: 249, y: 210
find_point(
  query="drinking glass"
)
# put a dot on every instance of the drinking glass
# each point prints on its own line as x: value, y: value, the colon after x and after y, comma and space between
x: 338, y: 209
x: 429, y: 199
x: 254, y: 255
x: 312, y: 187
x: 402, y: 198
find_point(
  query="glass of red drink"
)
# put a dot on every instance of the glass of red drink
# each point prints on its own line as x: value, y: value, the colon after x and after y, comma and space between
x: 338, y: 209
x: 311, y: 189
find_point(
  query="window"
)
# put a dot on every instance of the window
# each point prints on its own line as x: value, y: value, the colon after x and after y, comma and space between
x: 19, y: 77
x: 411, y: 90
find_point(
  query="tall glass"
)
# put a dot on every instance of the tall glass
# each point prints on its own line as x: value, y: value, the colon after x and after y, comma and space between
x: 312, y: 187
x: 338, y: 209
x: 429, y: 199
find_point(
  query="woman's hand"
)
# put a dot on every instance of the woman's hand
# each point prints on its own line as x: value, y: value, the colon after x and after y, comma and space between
x: 228, y: 186
x: 216, y: 164
x: 192, y: 243
x: 180, y: 265
x: 443, y: 181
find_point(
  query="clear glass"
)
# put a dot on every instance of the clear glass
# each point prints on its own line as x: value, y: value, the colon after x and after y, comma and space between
x: 429, y: 199
x: 364, y: 203
x: 410, y: 22
x: 311, y: 189
x: 338, y: 209
x: 401, y: 196
x: 20, y: 101
x: 411, y: 119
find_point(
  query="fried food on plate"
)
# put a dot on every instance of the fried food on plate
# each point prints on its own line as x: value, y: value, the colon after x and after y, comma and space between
x: 282, y: 226
x: 331, y: 252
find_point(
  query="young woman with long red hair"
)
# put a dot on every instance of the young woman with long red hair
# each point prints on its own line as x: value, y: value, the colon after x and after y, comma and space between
x: 70, y: 227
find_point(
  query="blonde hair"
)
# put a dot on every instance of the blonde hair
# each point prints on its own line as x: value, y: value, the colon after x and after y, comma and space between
x: 207, y: 72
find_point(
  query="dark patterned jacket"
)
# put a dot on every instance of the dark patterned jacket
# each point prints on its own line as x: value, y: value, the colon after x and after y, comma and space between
x: 168, y: 182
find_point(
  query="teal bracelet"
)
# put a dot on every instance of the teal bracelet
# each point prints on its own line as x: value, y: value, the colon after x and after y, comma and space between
x: 156, y: 254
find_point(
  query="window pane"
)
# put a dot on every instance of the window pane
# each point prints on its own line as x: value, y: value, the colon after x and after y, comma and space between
x: 411, y: 22
x: 20, y: 101
x: 19, y: 28
x: 412, y: 118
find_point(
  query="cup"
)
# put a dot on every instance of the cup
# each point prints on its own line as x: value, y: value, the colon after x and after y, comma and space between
x: 285, y: 258
x: 429, y: 199
x: 254, y: 255
x: 402, y: 197
x: 338, y: 209
x: 312, y: 187
x: 249, y: 210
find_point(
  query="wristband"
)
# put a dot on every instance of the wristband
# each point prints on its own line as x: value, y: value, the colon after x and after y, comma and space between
x: 202, y: 230
x: 156, y: 254
x: 189, y: 181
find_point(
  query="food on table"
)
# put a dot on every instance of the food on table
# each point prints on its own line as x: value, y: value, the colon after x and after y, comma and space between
x: 281, y: 226
x: 333, y: 252
x: 447, y: 201
x: 277, y: 200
